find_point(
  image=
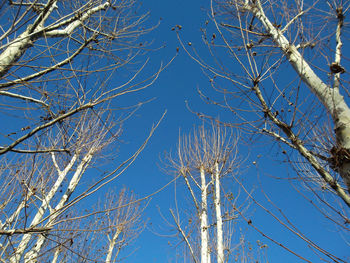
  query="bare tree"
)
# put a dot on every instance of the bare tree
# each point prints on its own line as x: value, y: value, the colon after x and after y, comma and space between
x: 115, y: 225
x: 280, y: 68
x: 203, y: 160
x: 99, y: 234
x: 63, y: 66
x: 269, y: 44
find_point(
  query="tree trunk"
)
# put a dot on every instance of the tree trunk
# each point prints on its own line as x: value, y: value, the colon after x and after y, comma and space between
x: 205, y: 255
x: 330, y: 97
x: 112, y: 244
x: 219, y: 228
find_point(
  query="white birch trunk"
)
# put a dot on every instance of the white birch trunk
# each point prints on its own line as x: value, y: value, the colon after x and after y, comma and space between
x: 57, y: 253
x: 18, y: 46
x: 32, y: 255
x: 15, y: 215
x: 13, y: 52
x: 330, y: 97
x: 112, y: 243
x: 41, y: 211
x: 219, y: 227
x: 205, y: 255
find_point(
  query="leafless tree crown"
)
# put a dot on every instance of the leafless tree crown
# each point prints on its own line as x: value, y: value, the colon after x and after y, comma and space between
x: 63, y: 67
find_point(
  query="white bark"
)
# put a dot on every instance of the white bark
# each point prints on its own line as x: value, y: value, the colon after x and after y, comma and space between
x: 18, y: 46
x: 205, y: 255
x: 41, y: 211
x: 303, y: 150
x: 45, y: 71
x: 26, y: 98
x: 15, y: 215
x: 330, y: 97
x: 219, y: 227
x: 32, y: 255
x: 75, y: 24
x: 210, y: 154
x: 338, y: 50
x: 27, y: 54
x: 112, y: 243
x: 14, y: 51
x: 57, y: 253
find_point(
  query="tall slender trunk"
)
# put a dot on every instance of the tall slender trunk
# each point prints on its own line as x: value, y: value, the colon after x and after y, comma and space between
x: 219, y: 228
x: 205, y: 255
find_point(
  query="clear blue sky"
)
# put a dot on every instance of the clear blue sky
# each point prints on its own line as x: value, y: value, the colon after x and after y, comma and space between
x: 175, y: 86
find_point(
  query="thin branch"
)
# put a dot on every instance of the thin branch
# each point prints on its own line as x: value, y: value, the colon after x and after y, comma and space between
x: 184, y: 236
x: 33, y: 230
x: 26, y: 98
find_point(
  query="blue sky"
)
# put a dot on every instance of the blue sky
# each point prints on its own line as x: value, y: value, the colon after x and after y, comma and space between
x: 176, y: 85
